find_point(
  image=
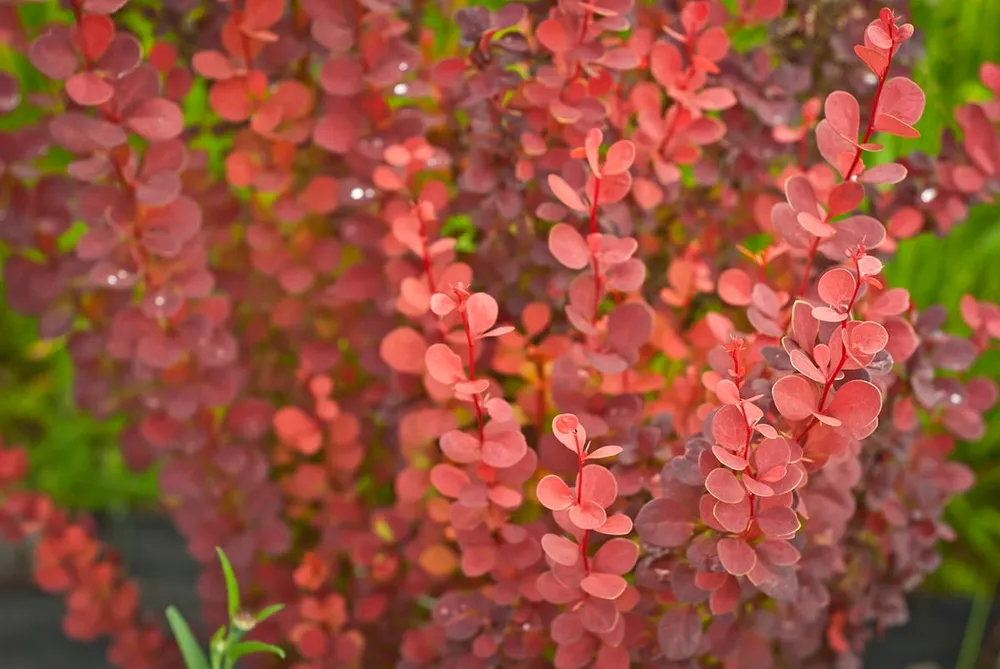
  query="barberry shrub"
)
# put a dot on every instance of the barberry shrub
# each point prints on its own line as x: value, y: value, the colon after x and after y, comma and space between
x: 554, y: 335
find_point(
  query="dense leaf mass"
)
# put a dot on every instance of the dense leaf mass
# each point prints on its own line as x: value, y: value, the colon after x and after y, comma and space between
x: 554, y: 335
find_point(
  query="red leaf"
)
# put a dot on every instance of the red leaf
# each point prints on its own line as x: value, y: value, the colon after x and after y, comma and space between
x: 52, y: 54
x: 845, y: 197
x: 569, y: 247
x: 552, y: 35
x: 663, y: 523
x: 629, y: 327
x: 887, y: 173
x: 504, y: 448
x: 604, y: 586
x: 448, y: 479
x: 778, y: 521
x: 875, y: 60
x: 157, y: 119
x: 729, y: 427
x: 587, y: 515
x: 95, y: 33
x: 734, y: 287
x: 795, y: 397
x: 604, y: 452
x: 778, y: 552
x: 679, y: 632
x: 902, y: 99
x: 843, y: 113
x: 567, y: 429
x: 460, y: 446
x: 620, y: 157
x: 836, y: 287
x: 89, y: 89
x: 403, y: 350
x: 617, y: 556
x: 868, y: 337
x: 895, y: 126
x: 736, y: 556
x: 619, y: 524
x: 554, y: 494
x: 560, y: 549
x: 733, y: 517
x: 565, y: 193
x: 213, y: 65
x: 856, y: 404
x: 728, y: 458
x: 722, y: 485
x: 261, y: 14
x: 599, y: 485
x: 444, y: 365
x: 801, y: 362
x: 481, y: 311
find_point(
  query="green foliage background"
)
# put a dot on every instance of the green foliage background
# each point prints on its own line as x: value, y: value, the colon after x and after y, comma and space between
x: 76, y: 459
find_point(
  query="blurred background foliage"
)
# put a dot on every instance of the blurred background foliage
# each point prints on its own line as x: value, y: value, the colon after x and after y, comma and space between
x: 76, y: 459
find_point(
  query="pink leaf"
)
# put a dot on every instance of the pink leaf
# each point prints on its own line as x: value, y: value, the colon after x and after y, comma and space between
x: 481, y: 311
x: 157, y: 119
x: 560, y: 549
x: 801, y: 362
x: 554, y: 494
x: 729, y: 427
x: 845, y: 197
x: 460, y: 446
x: 828, y: 315
x: 679, y: 632
x: 587, y: 515
x: 620, y: 157
x: 444, y: 365
x: 604, y: 586
x: 837, y: 287
x: 902, y: 99
x: 448, y: 479
x: 887, y: 173
x: 778, y: 521
x: 565, y: 193
x: 567, y: 429
x: 568, y: 246
x: 617, y: 556
x: 795, y: 397
x: 733, y: 517
x: 89, y: 89
x: 722, y: 485
x: 504, y: 449
x: 734, y: 287
x: 875, y: 60
x: 662, y: 523
x: 843, y: 113
x: 894, y: 126
x: 599, y: 485
x: 856, y: 404
x: 728, y: 458
x: 778, y: 552
x: 403, y: 350
x: 736, y: 556
x: 619, y: 524
x: 604, y: 452
x: 869, y: 337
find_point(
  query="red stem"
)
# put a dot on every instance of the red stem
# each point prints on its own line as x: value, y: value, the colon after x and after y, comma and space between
x: 843, y: 356
x: 472, y: 374
x: 869, y: 131
x: 585, y: 540
x: 598, y: 279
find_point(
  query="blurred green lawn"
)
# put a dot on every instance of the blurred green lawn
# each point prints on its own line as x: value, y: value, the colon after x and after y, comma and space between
x: 76, y: 459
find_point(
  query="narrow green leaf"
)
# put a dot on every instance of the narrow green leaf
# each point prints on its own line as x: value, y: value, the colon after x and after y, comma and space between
x: 194, y: 656
x: 269, y: 611
x: 232, y: 587
x: 247, y: 647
